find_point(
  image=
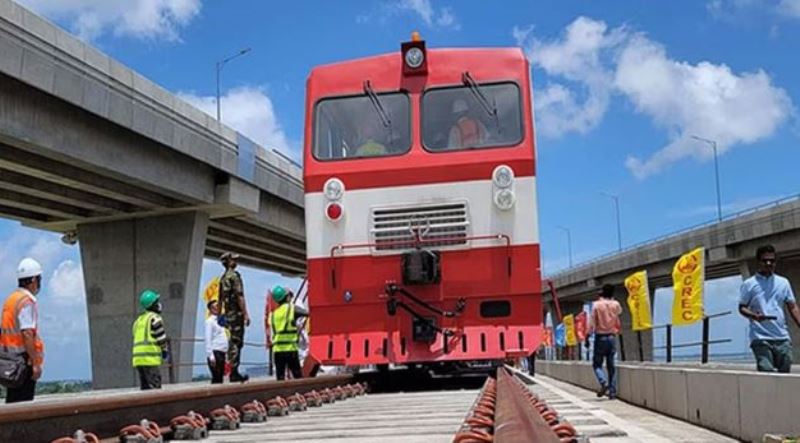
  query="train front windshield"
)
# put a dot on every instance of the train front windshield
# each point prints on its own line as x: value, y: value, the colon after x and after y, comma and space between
x: 476, y: 116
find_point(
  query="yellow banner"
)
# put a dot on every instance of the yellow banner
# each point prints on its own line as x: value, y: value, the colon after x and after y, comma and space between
x: 211, y: 293
x: 569, y: 326
x: 639, y: 300
x: 688, y: 276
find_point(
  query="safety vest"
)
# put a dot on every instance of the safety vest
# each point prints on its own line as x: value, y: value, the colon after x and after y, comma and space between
x: 469, y: 132
x: 284, y: 330
x: 11, y: 335
x: 146, y: 351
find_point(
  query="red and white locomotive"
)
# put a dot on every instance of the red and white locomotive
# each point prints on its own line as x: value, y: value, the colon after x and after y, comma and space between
x: 420, y: 203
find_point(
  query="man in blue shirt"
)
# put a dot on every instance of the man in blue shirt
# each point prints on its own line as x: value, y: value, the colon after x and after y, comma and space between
x: 761, y: 300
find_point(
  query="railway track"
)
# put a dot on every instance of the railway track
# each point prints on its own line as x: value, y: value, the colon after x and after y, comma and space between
x: 406, y: 408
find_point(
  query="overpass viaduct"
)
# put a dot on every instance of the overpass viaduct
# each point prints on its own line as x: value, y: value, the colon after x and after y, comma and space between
x: 147, y: 184
x: 730, y: 250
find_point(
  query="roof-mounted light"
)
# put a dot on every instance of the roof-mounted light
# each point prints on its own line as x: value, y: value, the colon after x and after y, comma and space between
x: 415, y: 58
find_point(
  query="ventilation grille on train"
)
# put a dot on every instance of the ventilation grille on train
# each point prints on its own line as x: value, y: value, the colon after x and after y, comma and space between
x: 447, y: 222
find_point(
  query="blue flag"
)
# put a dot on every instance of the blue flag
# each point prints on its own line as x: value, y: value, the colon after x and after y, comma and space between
x: 561, y: 335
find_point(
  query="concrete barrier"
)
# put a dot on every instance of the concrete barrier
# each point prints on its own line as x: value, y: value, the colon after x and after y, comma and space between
x: 742, y: 404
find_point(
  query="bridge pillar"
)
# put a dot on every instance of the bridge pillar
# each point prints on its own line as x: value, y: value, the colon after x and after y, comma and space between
x: 122, y: 258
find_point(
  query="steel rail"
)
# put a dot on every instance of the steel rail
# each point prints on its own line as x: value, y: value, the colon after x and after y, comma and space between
x: 105, y: 415
x: 515, y: 420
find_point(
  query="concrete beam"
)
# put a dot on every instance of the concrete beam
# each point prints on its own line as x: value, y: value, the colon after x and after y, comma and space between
x: 121, y: 259
x: 29, y: 163
x: 38, y: 187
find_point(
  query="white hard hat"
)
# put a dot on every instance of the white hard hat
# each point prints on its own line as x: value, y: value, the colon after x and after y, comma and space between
x: 28, y: 268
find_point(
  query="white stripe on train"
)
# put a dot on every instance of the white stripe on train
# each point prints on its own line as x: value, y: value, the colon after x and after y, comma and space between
x: 519, y: 223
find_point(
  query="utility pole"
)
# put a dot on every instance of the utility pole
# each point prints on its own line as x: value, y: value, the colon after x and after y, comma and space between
x: 219, y: 65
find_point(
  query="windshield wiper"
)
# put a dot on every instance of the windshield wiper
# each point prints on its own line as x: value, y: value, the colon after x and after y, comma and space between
x: 376, y: 103
x: 476, y: 91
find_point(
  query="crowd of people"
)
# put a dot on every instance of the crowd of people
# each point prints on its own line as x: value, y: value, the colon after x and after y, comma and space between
x: 763, y: 299
x: 22, y: 349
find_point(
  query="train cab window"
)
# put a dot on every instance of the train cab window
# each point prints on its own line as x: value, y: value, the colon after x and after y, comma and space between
x: 369, y: 125
x: 471, y: 117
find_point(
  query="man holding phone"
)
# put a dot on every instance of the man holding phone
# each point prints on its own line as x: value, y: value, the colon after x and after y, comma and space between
x: 761, y: 300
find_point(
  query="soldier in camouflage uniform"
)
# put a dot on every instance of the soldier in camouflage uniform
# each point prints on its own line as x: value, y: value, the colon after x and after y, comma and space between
x: 231, y: 295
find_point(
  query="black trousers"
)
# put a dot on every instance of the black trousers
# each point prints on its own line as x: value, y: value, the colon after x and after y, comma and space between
x: 284, y: 359
x: 24, y: 392
x: 149, y: 377
x: 218, y: 368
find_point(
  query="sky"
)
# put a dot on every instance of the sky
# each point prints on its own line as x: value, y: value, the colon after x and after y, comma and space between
x: 620, y: 88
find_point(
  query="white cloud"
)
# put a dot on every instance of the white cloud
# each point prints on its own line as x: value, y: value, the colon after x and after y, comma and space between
x: 446, y: 19
x: 706, y: 99
x: 66, y: 283
x: 148, y: 19
x: 423, y: 8
x: 248, y: 110
x: 789, y: 8
x: 578, y: 57
x: 749, y: 11
x: 442, y: 18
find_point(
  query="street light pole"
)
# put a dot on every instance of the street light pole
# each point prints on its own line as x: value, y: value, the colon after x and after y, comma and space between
x: 713, y: 145
x: 219, y: 66
x: 616, y: 210
x: 569, y: 243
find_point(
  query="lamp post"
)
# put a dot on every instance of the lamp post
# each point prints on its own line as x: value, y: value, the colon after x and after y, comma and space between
x: 713, y: 145
x: 220, y: 64
x: 569, y: 243
x: 616, y: 210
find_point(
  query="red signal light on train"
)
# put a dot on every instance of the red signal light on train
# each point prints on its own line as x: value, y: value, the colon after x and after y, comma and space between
x: 334, y: 211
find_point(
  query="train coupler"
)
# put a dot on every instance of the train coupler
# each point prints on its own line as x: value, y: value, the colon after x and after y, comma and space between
x: 225, y: 418
x: 254, y: 412
x: 192, y: 426
x: 145, y: 432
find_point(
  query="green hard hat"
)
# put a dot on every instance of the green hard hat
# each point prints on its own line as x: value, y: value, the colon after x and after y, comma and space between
x: 148, y: 298
x: 279, y: 294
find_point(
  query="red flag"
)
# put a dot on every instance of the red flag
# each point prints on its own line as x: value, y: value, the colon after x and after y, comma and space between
x: 580, y: 326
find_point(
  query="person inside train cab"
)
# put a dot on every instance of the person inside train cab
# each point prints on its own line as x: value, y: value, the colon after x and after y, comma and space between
x: 467, y: 129
x: 370, y: 141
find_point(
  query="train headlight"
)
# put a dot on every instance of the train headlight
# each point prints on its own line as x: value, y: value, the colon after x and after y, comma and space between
x: 504, y: 199
x: 415, y: 57
x: 503, y: 176
x: 333, y: 189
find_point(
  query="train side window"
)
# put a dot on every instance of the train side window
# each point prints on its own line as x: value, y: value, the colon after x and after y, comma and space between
x: 495, y: 308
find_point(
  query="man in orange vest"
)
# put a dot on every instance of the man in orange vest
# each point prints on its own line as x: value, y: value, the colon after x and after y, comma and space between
x: 20, y: 329
x: 467, y: 131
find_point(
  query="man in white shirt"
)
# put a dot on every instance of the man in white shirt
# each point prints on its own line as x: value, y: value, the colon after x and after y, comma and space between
x: 216, y: 344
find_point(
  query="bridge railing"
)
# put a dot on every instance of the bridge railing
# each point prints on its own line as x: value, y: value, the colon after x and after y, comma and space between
x: 576, y: 352
x: 704, y: 343
x: 664, y: 237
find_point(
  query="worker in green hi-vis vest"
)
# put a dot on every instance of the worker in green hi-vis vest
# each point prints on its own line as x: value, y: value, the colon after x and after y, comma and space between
x: 149, y: 341
x: 284, y: 335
